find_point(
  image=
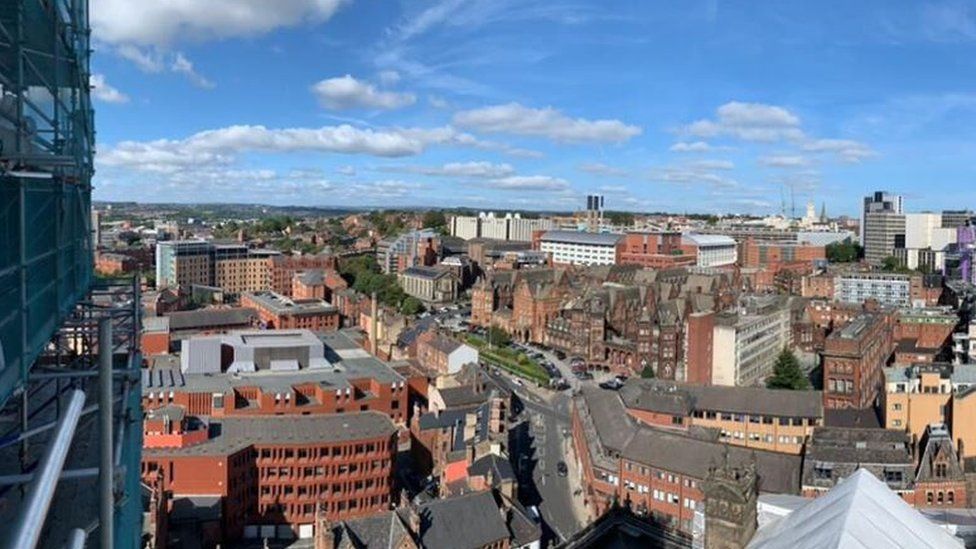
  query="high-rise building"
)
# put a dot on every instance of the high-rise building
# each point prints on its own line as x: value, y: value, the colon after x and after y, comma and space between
x: 882, y: 226
x: 926, y: 239
x: 488, y: 225
x: 184, y: 263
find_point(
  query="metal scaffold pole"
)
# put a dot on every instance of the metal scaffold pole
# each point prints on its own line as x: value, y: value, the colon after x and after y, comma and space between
x: 106, y: 496
x: 41, y: 491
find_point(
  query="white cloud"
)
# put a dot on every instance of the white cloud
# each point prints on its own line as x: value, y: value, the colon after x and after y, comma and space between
x: 103, y: 91
x: 163, y: 23
x: 438, y: 102
x: 346, y: 170
x: 458, y: 169
x: 749, y: 122
x: 547, y: 122
x: 599, y: 168
x: 184, y: 66
x: 712, y: 165
x: 151, y: 61
x: 846, y: 150
x: 689, y: 175
x: 389, y: 77
x: 346, y: 92
x: 689, y: 147
x: 784, y: 161
x: 529, y: 183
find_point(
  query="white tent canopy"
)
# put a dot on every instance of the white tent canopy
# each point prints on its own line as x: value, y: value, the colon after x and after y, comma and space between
x: 859, y: 513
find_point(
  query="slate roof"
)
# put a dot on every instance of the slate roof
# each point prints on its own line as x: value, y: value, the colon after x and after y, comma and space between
x: 499, y: 467
x: 470, y: 521
x: 675, y: 398
x: 203, y: 318
x: 380, y: 531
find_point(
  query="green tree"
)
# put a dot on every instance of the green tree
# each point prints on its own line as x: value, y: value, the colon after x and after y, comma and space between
x: 412, y: 306
x: 647, y: 372
x: 498, y: 336
x: 892, y: 264
x: 435, y: 219
x: 620, y: 218
x: 787, y: 373
x: 843, y: 252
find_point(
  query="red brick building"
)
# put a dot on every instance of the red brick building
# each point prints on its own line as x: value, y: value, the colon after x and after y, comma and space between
x: 653, y: 250
x: 108, y: 263
x: 820, y: 286
x: 317, y: 284
x: 760, y: 253
x: 853, y: 359
x: 279, y: 312
x: 270, y: 477
x: 282, y: 269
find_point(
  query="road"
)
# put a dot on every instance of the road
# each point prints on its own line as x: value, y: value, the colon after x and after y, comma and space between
x: 537, y: 447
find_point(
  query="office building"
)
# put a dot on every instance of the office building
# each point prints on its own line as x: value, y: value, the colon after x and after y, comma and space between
x: 657, y: 250
x: 755, y: 253
x: 411, y: 249
x: 183, y: 263
x: 711, y: 250
x: 926, y: 239
x: 746, y: 342
x: 882, y: 226
x: 853, y: 359
x: 765, y: 419
x: 267, y: 477
x: 919, y: 395
x: 579, y: 248
x: 276, y: 311
x: 885, y: 288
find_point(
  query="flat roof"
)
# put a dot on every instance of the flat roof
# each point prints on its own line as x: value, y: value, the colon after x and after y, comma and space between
x: 579, y: 237
x: 280, y: 304
x: 229, y: 435
x: 346, y: 361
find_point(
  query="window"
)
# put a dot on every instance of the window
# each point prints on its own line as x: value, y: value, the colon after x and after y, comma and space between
x: 823, y: 472
x: 896, y: 406
x: 940, y: 470
x: 950, y: 497
x: 893, y: 477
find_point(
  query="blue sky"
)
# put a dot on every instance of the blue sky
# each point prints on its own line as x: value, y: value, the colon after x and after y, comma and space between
x: 700, y: 106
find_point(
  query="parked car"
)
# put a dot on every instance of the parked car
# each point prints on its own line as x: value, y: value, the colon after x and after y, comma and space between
x: 562, y: 469
x: 560, y: 355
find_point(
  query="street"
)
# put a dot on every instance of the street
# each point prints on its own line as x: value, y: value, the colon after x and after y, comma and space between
x: 537, y: 446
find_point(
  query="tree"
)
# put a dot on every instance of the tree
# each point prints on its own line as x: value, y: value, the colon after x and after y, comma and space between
x: 498, y: 336
x: 434, y: 219
x: 843, y: 252
x: 787, y: 373
x: 412, y: 306
x: 648, y: 372
x: 620, y: 218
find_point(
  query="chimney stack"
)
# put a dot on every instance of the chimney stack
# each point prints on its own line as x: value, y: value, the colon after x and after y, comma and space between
x: 373, y: 332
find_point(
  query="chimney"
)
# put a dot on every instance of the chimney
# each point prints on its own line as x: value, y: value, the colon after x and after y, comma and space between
x: 373, y: 332
x: 324, y: 538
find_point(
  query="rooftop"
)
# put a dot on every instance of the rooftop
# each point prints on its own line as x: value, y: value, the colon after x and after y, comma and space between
x: 279, y: 304
x: 670, y: 397
x: 579, y: 237
x: 229, y: 435
x: 206, y: 318
x: 468, y: 521
x: 430, y: 273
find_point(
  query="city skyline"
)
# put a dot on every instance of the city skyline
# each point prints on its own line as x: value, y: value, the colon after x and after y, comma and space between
x: 711, y: 108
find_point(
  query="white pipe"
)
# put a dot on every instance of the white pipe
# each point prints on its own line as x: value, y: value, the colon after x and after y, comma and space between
x: 41, y: 491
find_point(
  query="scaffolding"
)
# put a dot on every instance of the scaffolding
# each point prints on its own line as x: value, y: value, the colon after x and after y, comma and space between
x: 70, y: 423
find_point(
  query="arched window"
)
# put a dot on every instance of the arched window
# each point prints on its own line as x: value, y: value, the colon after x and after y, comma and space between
x: 951, y: 497
x: 941, y: 498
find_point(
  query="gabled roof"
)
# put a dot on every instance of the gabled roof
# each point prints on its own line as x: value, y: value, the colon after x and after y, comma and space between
x: 468, y: 521
x: 859, y: 512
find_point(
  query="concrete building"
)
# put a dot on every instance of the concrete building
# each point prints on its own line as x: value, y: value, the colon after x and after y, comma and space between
x: 853, y: 359
x: 276, y: 311
x: 711, y: 250
x: 511, y: 227
x: 885, y: 288
x: 746, y: 342
x: 579, y: 248
x: 882, y: 226
x: 268, y: 477
x: 429, y: 284
x: 926, y: 240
